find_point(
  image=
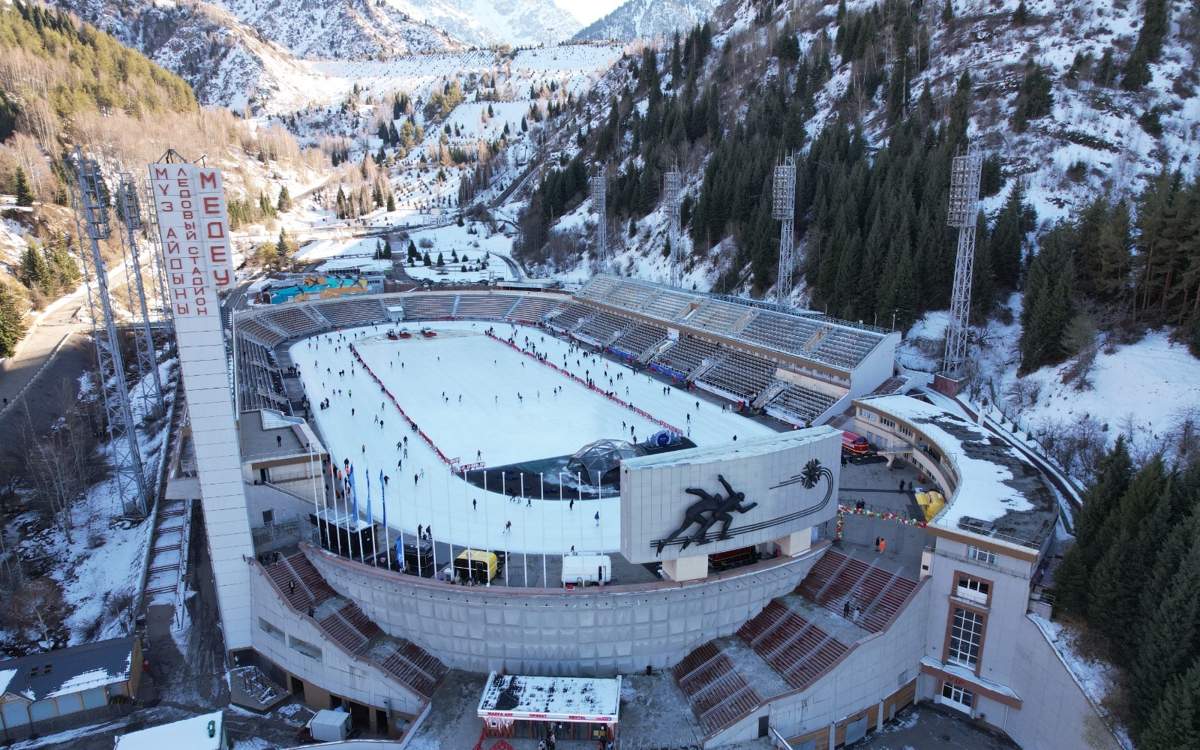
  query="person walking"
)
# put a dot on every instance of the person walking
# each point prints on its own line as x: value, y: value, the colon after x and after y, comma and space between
x: 597, y: 519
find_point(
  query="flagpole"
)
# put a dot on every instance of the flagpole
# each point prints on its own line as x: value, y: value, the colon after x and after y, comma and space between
x: 333, y: 479
x: 485, y: 511
x: 504, y: 487
x: 524, y: 539
x: 542, y: 515
x: 371, y: 517
x: 387, y: 540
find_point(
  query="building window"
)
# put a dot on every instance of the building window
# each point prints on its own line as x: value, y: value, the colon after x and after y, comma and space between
x: 268, y: 517
x: 270, y: 630
x: 888, y: 423
x: 973, y: 589
x: 305, y: 648
x: 955, y: 697
x: 981, y: 555
x: 966, y: 637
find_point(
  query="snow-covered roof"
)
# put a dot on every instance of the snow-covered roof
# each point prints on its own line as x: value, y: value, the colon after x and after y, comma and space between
x: 201, y: 732
x: 580, y: 699
x: 999, y: 494
x: 68, y: 670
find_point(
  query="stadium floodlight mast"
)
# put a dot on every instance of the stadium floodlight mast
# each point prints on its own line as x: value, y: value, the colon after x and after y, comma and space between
x: 600, y: 206
x: 783, y: 209
x: 964, y: 203
x: 92, y: 213
x: 673, y: 195
x: 130, y: 211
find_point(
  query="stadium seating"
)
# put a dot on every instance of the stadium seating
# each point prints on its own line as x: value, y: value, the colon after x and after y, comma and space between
x: 428, y: 306
x: 719, y: 317
x: 533, y: 309
x: 717, y: 693
x: 570, y: 316
x: 295, y: 320
x: 263, y: 334
x: 686, y: 354
x: 260, y: 382
x: 484, y: 306
x: 837, y: 580
x: 638, y: 339
x: 668, y: 306
x: 798, y: 404
x: 343, y: 622
x: 794, y: 647
x: 740, y: 374
x: 352, y: 312
x: 603, y: 327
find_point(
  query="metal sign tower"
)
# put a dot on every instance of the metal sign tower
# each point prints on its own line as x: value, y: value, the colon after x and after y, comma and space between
x: 131, y: 216
x: 673, y: 194
x: 964, y: 202
x: 92, y: 213
x: 163, y: 302
x: 600, y: 205
x: 784, y: 210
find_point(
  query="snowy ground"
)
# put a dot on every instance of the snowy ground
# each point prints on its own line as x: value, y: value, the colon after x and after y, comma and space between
x: 1142, y: 390
x: 490, y: 423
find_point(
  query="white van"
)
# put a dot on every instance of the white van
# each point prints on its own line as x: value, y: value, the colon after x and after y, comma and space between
x: 586, y: 570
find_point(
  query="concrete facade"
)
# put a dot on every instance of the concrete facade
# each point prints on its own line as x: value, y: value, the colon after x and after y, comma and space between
x: 278, y: 630
x: 876, y: 667
x: 593, y: 632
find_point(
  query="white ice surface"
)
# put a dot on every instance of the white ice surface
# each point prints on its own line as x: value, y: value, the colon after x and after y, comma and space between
x: 460, y: 361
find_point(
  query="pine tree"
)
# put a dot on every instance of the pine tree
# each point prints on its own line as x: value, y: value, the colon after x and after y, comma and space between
x: 391, y: 203
x: 33, y: 272
x: 1171, y: 645
x: 285, y: 200
x: 948, y: 12
x: 1005, y: 242
x: 1021, y: 14
x: 23, y: 192
x: 1155, y: 25
x: 1175, y: 720
x: 1120, y: 572
x: 283, y: 250
x: 12, y: 321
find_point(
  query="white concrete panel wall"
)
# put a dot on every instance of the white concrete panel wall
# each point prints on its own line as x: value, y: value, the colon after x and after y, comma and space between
x: 880, y: 665
x: 1055, y: 715
x: 593, y: 632
x: 336, y: 671
x: 876, y: 367
x: 219, y: 470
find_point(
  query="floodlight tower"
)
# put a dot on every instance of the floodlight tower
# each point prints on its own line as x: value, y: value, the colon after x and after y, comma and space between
x: 673, y: 194
x: 92, y: 213
x: 783, y: 209
x: 131, y: 216
x: 964, y: 202
x: 600, y: 205
x: 163, y: 305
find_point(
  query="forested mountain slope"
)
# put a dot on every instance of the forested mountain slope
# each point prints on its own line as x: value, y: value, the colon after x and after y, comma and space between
x: 1087, y: 113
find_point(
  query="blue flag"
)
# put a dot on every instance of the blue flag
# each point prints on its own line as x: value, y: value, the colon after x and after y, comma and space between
x: 353, y: 492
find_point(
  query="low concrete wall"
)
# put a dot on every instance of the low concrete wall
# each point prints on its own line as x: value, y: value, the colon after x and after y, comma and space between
x: 553, y: 632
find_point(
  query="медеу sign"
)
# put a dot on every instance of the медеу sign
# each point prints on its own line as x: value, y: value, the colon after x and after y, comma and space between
x: 193, y: 225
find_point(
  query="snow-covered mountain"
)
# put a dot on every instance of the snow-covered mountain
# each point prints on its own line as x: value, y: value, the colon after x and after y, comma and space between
x: 488, y: 22
x: 644, y: 19
x: 241, y: 53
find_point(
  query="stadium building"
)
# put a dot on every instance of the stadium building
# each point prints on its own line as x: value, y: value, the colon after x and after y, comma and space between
x: 628, y: 477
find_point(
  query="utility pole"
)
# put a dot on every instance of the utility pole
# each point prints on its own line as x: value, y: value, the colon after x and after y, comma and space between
x: 964, y: 202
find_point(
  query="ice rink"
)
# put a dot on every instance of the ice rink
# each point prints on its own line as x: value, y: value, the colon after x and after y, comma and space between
x: 491, y: 424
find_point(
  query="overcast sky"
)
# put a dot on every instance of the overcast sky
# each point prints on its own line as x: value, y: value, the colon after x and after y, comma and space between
x: 588, y: 10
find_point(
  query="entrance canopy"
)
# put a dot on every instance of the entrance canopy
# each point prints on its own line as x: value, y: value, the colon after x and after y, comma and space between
x: 560, y: 699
